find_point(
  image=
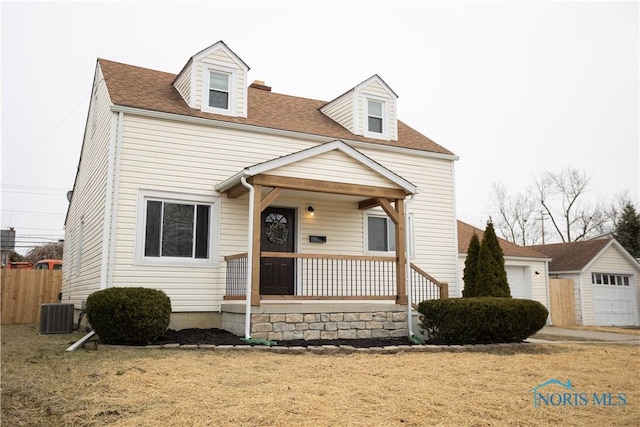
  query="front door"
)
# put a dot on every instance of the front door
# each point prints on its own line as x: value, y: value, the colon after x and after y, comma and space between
x: 277, y: 235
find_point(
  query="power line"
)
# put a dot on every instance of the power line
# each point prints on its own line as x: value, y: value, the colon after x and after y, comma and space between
x: 45, y: 139
x: 32, y: 187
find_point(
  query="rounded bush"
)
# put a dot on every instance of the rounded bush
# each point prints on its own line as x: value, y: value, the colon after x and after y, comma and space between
x: 481, y: 320
x: 135, y: 316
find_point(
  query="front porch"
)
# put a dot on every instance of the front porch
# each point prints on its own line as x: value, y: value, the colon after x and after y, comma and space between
x: 335, y: 297
x: 281, y: 288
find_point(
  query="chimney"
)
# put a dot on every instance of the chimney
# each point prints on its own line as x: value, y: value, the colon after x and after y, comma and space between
x: 259, y: 84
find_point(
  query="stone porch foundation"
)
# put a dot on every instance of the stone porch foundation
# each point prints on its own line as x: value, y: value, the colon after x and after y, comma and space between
x: 310, y: 321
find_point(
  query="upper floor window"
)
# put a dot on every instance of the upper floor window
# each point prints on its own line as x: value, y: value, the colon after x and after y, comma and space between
x: 219, y: 90
x: 374, y: 116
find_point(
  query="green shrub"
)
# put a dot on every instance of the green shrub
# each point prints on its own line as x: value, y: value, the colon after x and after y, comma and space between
x: 481, y: 320
x: 129, y: 315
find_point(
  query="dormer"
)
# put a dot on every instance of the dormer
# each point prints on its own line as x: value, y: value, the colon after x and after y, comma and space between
x: 214, y: 81
x: 369, y: 109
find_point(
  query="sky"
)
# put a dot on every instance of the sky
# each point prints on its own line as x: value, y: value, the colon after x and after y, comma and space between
x: 512, y: 88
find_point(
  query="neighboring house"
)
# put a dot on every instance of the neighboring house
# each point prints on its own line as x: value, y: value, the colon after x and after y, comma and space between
x: 605, y: 278
x: 526, y: 268
x: 211, y: 188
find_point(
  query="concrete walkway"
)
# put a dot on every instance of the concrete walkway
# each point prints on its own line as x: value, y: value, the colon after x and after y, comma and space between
x: 580, y: 335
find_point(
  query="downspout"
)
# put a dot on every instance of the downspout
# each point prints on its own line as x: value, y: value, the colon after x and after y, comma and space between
x: 407, y: 236
x: 247, y: 318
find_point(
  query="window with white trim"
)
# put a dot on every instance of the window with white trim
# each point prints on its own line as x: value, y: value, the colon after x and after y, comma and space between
x: 610, y: 279
x: 380, y: 234
x: 374, y: 116
x: 175, y: 228
x: 376, y: 119
x: 218, y: 90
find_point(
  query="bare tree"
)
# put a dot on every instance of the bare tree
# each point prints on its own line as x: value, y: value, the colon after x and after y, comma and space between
x: 561, y: 196
x: 516, y: 216
x: 555, y: 198
x: 48, y: 251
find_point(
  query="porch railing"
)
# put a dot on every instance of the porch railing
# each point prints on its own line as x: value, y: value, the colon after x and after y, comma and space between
x: 236, y: 274
x: 339, y: 276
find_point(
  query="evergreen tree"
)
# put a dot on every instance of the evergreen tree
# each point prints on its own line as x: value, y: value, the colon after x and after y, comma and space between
x: 471, y: 267
x: 491, y: 276
x: 627, y: 231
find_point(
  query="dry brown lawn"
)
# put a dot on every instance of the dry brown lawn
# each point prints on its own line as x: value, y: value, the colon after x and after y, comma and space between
x: 44, y: 385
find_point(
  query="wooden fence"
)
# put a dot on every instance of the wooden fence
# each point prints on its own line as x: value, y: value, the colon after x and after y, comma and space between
x: 563, y: 310
x: 24, y: 290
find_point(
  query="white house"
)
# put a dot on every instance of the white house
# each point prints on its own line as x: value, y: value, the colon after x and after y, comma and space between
x: 282, y: 216
x: 527, y: 269
x: 605, y: 278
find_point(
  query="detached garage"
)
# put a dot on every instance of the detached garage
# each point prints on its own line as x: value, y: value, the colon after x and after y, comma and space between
x: 605, y: 278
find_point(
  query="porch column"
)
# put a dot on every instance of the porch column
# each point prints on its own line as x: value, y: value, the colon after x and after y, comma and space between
x: 401, y: 259
x: 255, y: 259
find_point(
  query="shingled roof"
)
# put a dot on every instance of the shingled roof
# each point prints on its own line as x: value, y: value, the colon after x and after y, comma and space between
x: 146, y: 89
x: 572, y: 256
x: 465, y: 231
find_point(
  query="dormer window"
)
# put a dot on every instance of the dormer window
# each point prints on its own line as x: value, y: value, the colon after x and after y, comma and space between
x: 374, y: 115
x: 218, y: 90
x: 376, y: 124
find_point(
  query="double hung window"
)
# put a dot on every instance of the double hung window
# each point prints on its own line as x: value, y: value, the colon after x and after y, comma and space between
x: 218, y: 90
x: 374, y: 116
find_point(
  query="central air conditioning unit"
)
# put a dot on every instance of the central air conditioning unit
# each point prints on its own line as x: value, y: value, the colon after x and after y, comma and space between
x: 56, y: 318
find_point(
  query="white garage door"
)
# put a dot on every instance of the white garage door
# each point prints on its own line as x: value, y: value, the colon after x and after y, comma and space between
x: 518, y: 283
x: 613, y: 299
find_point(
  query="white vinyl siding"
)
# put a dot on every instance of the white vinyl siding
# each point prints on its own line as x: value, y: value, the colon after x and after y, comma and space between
x: 433, y: 210
x: 183, y: 84
x: 341, y: 111
x: 374, y: 90
x: 350, y: 109
x: 334, y: 166
x: 82, y: 272
x: 155, y: 153
x: 220, y: 58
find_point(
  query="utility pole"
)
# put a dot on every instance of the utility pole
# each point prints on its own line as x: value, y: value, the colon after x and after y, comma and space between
x: 542, y: 223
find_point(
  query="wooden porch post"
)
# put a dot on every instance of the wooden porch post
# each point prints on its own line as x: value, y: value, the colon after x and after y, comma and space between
x: 401, y: 244
x: 255, y: 259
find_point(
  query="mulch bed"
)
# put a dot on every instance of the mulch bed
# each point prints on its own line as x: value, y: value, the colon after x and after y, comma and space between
x: 220, y: 337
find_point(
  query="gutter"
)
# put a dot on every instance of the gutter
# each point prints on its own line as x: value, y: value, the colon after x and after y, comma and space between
x: 279, y: 132
x: 247, y: 319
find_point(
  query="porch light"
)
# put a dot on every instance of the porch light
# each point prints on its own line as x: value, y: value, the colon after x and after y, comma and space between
x: 310, y: 210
